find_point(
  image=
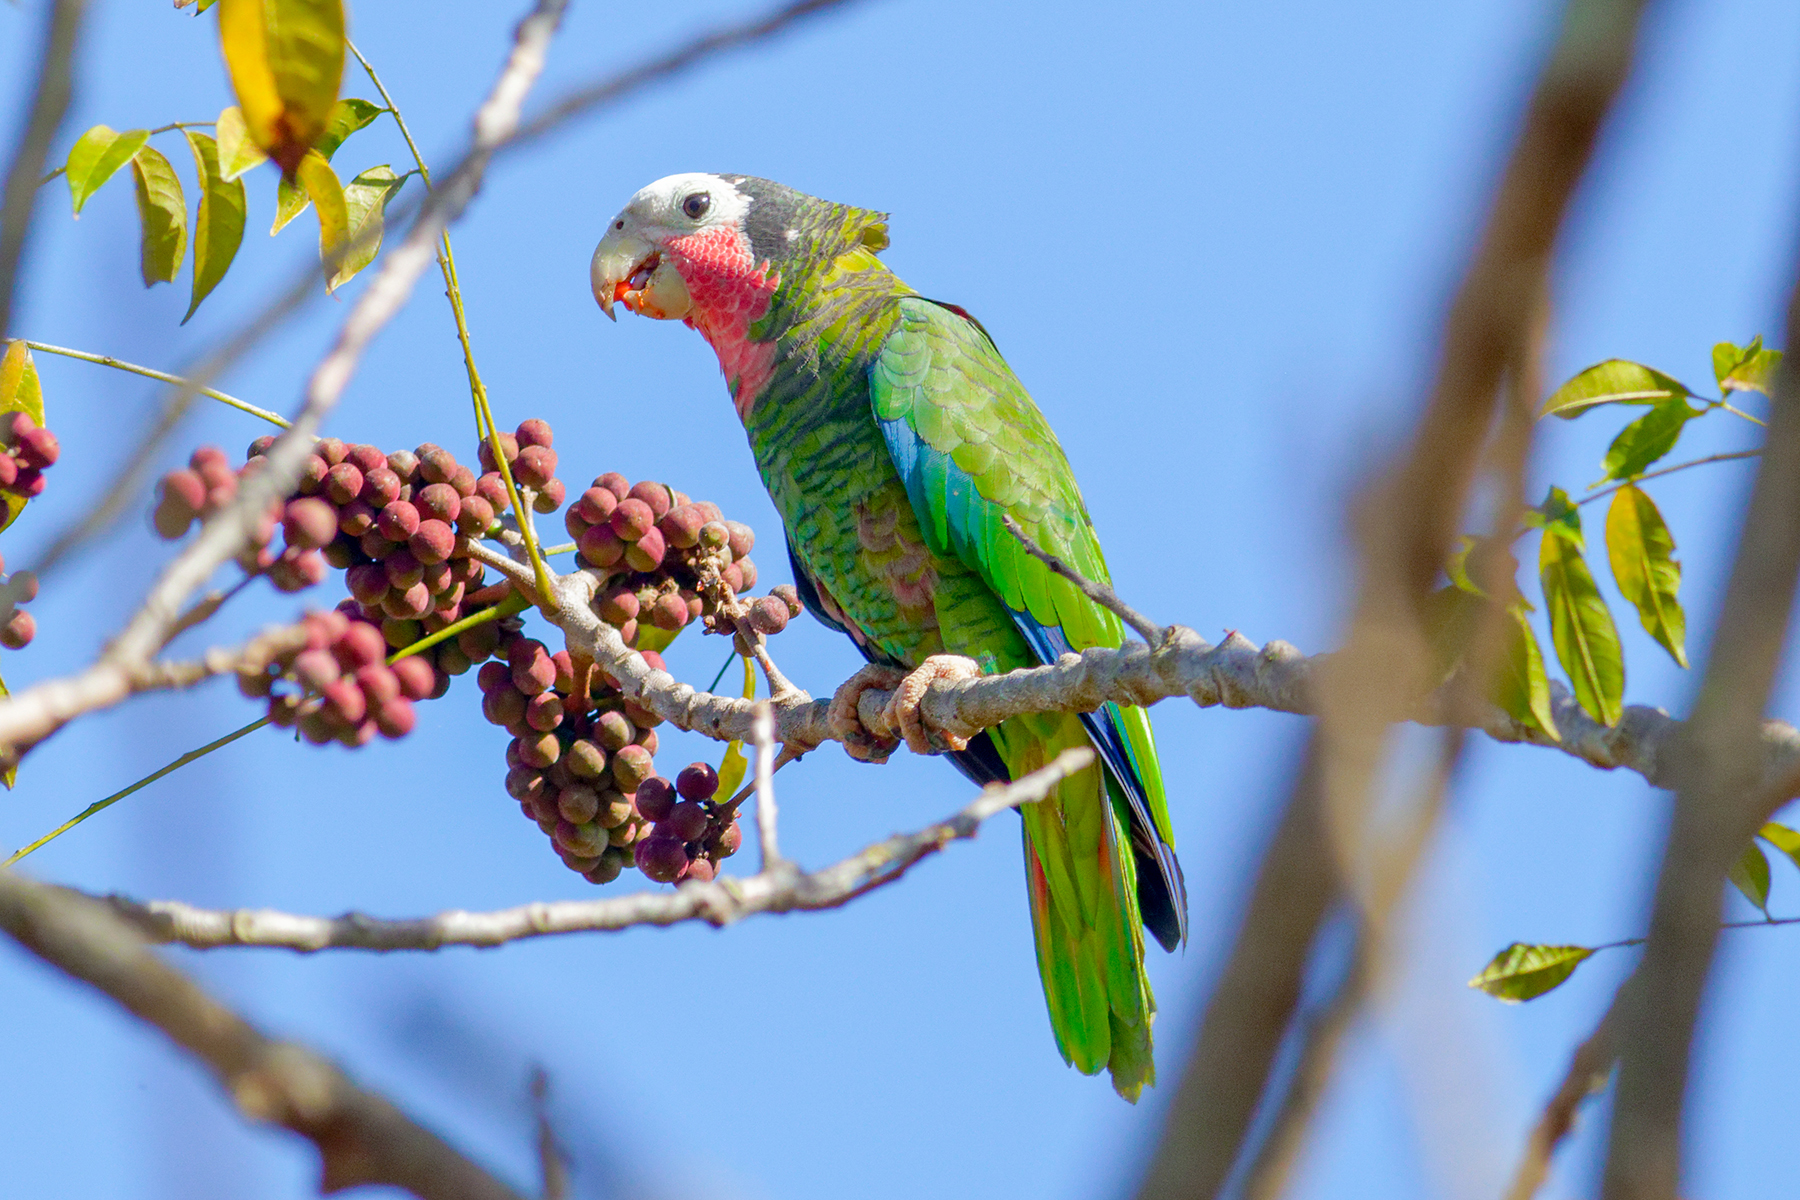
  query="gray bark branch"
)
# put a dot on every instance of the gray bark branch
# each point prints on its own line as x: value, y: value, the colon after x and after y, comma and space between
x: 361, y: 1137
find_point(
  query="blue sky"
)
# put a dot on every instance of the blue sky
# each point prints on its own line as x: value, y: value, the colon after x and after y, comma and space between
x: 1214, y: 241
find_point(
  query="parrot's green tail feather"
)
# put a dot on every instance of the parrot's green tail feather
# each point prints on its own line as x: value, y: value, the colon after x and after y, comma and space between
x: 1084, y: 911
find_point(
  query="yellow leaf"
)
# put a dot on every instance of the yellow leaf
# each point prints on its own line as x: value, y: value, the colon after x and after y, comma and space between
x: 20, y: 391
x: 286, y: 59
x: 735, y: 765
x: 327, y: 195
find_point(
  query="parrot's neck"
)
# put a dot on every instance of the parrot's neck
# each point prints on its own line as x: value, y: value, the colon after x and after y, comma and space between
x: 806, y: 314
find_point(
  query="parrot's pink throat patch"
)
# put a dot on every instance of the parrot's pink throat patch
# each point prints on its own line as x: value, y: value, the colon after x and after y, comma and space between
x: 730, y: 292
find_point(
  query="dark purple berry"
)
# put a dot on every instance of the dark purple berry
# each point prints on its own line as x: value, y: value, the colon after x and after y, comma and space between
x: 697, y: 781
x: 656, y: 798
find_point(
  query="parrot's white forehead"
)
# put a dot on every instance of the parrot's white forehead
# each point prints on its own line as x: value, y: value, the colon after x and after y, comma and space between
x: 660, y: 203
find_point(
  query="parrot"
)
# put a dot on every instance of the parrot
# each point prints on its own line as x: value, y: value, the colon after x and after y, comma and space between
x: 895, y: 441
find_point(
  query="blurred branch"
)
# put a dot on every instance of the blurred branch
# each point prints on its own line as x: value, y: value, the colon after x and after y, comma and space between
x: 46, y: 707
x: 33, y: 714
x: 362, y: 1138
x: 779, y: 888
x: 553, y: 1167
x: 1406, y: 527
x: 1722, y: 798
x: 49, y: 103
x: 1589, y: 1069
x: 615, y: 87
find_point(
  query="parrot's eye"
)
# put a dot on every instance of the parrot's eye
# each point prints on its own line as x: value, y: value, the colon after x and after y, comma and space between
x: 695, y: 206
x: 619, y: 224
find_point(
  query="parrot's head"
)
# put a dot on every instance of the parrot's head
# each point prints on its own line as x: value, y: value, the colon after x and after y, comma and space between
x: 715, y: 249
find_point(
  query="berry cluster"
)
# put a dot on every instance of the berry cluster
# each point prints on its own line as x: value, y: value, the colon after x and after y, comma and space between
x: 674, y: 559
x: 207, y: 484
x: 692, y: 829
x: 19, y: 588
x: 580, y: 753
x: 339, y: 686
x: 29, y: 449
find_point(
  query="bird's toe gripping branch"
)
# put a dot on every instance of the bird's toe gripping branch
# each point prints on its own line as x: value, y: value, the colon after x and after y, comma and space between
x: 905, y: 711
x: 859, y: 743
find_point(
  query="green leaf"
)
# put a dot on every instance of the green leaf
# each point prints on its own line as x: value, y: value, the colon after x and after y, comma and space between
x: 327, y: 194
x: 237, y: 153
x: 286, y: 60
x: 1783, y: 839
x: 1647, y: 439
x: 219, y: 227
x: 365, y: 201
x: 20, y: 391
x: 162, y: 212
x: 96, y: 156
x: 1642, y: 553
x: 1522, y: 972
x: 347, y: 116
x: 1587, y: 641
x: 1750, y: 875
x: 1521, y: 686
x: 1614, y: 381
x: 1753, y: 370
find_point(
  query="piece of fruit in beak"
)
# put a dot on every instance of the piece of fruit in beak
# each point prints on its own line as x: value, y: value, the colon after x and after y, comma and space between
x: 655, y: 289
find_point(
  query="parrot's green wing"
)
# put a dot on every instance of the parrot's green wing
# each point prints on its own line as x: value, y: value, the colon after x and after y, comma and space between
x: 972, y: 448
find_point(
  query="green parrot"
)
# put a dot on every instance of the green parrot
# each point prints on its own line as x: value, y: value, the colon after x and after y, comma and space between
x: 894, y: 439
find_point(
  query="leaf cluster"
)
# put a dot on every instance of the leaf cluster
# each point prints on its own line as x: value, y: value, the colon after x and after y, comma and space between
x: 1640, y: 549
x: 286, y: 60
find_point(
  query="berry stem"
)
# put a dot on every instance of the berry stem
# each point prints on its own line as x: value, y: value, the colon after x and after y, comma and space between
x: 119, y: 364
x: 514, y: 603
x: 151, y: 778
x: 484, y: 414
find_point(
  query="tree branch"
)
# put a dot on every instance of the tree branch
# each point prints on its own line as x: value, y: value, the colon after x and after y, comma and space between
x: 49, y: 103
x: 362, y: 1138
x: 778, y: 888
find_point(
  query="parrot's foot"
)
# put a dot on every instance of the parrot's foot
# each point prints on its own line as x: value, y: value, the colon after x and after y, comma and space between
x: 905, y: 709
x: 859, y: 743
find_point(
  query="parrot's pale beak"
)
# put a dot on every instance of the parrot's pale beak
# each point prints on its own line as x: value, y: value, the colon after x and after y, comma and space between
x: 616, y: 259
x: 630, y: 270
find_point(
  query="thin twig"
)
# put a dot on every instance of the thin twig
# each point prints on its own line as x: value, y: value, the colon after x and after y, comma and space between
x: 107, y: 360
x: 49, y: 103
x: 1635, y: 480
x: 720, y: 902
x: 361, y: 1137
x: 762, y: 736
x: 146, y: 781
x: 1093, y: 589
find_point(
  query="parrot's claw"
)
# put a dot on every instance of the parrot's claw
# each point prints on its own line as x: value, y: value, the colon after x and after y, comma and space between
x: 905, y: 711
x: 859, y: 743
